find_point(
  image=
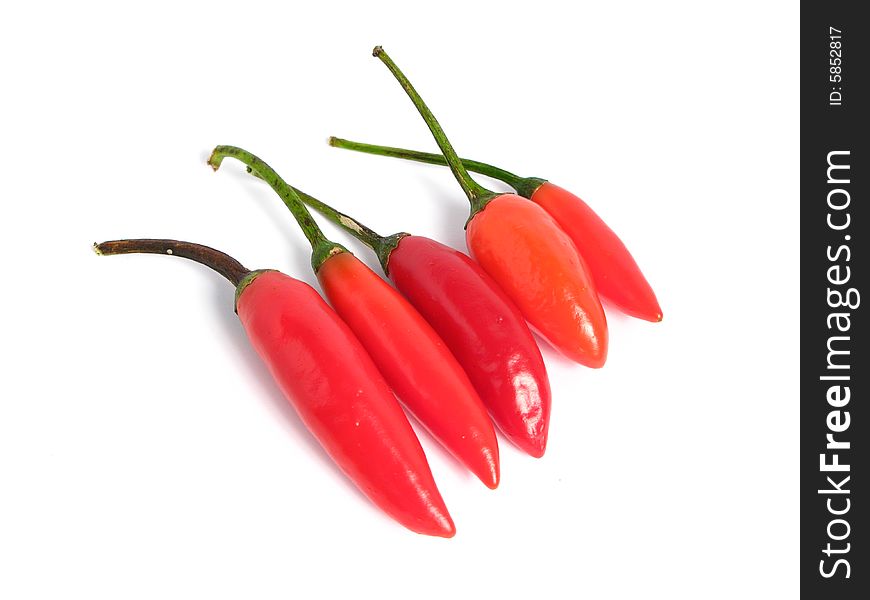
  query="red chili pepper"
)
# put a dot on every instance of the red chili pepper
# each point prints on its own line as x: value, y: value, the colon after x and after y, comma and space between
x: 411, y: 356
x: 528, y: 254
x: 331, y: 382
x: 480, y: 325
x: 613, y: 268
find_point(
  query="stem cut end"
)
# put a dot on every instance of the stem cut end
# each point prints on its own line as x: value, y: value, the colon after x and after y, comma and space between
x: 97, y: 250
x: 215, y: 160
x: 477, y: 194
x: 282, y: 188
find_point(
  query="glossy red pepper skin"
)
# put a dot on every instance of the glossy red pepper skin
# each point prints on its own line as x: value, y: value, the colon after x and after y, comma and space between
x: 342, y: 399
x: 538, y: 266
x: 616, y: 274
x: 485, y: 331
x: 407, y: 351
x: 414, y: 361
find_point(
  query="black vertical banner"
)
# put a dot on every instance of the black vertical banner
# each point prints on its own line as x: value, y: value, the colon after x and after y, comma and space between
x: 835, y: 364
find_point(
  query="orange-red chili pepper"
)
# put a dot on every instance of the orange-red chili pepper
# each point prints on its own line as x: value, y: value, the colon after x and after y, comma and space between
x: 413, y: 359
x: 331, y: 382
x: 528, y: 254
x: 616, y: 273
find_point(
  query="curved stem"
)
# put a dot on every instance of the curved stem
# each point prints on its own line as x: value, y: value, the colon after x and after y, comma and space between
x: 382, y: 245
x: 216, y: 260
x: 477, y: 194
x: 322, y: 247
x: 426, y: 157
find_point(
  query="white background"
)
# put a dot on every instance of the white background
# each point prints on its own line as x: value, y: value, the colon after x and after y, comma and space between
x: 144, y: 451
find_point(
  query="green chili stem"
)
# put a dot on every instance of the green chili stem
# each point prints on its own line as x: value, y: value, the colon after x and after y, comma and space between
x: 216, y: 260
x: 426, y: 157
x: 265, y: 172
x: 382, y: 245
x: 322, y: 247
x: 525, y: 186
x: 477, y: 194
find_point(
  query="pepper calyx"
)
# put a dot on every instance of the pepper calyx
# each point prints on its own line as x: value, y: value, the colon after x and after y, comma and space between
x: 478, y: 203
x: 527, y: 186
x: 384, y: 248
x: 323, y: 251
x: 244, y: 283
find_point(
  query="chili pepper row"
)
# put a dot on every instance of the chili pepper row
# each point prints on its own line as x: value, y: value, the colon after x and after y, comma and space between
x: 411, y: 356
x: 482, y: 327
x: 452, y: 340
x: 613, y: 268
